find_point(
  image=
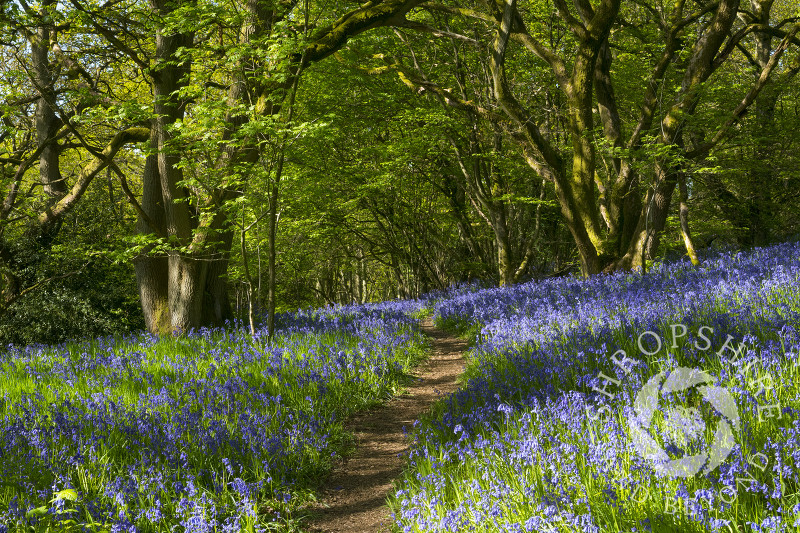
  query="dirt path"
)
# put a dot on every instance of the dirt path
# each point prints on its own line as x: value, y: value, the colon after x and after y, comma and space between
x: 354, y: 498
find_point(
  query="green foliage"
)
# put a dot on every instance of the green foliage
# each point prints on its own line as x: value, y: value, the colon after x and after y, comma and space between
x: 55, y: 314
x: 80, y: 291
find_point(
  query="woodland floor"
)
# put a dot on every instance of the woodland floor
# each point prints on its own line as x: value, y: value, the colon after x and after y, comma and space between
x: 354, y: 497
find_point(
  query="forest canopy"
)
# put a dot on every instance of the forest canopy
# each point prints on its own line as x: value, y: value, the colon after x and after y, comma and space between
x: 170, y: 165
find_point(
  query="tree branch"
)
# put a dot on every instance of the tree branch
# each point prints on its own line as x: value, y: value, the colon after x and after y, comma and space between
x: 8, y: 303
x: 10, y: 200
x: 507, y: 101
x: 465, y: 12
x: 574, y: 24
x: 521, y: 34
x: 752, y: 94
x: 135, y: 203
x: 111, y: 36
x: 420, y: 85
x: 370, y: 15
x: 87, y: 174
x: 418, y: 26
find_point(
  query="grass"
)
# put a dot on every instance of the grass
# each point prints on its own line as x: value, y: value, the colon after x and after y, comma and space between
x: 541, y: 436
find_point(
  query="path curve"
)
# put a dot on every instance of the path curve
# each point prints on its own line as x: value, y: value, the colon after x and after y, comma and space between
x: 354, y: 498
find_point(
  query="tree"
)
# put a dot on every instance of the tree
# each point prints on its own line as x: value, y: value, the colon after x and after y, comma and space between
x: 614, y: 214
x: 756, y: 195
x: 181, y: 288
x: 54, y: 110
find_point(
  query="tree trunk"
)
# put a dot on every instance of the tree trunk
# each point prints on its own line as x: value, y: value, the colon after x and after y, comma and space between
x: 667, y: 179
x: 171, y: 288
x: 646, y: 237
x: 271, y: 253
x: 581, y: 124
x: 504, y: 267
x: 402, y: 291
x: 683, y: 195
x: 762, y: 176
x: 152, y: 270
x: 187, y: 277
x: 217, y: 305
x: 47, y: 125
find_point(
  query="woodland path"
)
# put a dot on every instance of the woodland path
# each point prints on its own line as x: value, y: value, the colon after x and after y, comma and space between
x: 354, y: 498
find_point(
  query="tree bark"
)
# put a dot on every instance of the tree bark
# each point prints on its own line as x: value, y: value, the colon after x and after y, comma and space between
x: 217, y: 305
x: 701, y: 64
x: 666, y: 180
x: 271, y: 255
x: 504, y: 261
x: 47, y: 124
x: 171, y: 288
x: 683, y: 195
x: 152, y: 270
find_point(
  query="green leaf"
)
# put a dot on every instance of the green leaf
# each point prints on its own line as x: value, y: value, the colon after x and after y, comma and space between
x: 38, y: 511
x: 66, y: 494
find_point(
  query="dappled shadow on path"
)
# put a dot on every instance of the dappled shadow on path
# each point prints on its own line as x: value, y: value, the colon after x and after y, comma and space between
x: 354, y: 497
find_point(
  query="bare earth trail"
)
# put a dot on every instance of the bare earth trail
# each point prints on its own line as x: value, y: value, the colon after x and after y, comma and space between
x: 354, y: 498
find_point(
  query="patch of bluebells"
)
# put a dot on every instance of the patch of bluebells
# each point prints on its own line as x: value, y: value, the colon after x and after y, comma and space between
x: 214, y: 431
x: 528, y: 445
